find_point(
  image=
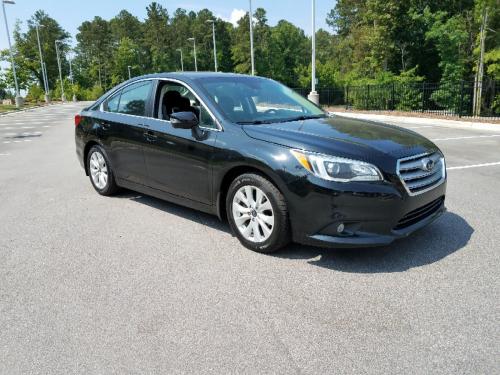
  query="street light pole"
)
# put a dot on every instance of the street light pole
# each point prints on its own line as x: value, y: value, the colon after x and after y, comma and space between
x: 47, y: 89
x: 70, y: 59
x: 251, y: 37
x: 215, y: 46
x: 19, y: 100
x: 63, y: 97
x: 194, y: 48
x: 129, y: 74
x: 313, y: 95
x: 182, y: 59
x: 46, y: 96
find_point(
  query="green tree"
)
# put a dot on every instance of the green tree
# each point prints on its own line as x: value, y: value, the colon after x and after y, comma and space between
x: 27, y: 57
x: 156, y: 38
x: 127, y: 54
x: 289, y: 48
x: 94, y: 52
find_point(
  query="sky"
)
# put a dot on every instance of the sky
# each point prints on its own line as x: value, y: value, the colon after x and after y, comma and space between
x: 71, y: 13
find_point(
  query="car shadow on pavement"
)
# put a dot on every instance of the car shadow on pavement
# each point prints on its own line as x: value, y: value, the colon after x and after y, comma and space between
x: 445, y: 236
x: 175, y: 209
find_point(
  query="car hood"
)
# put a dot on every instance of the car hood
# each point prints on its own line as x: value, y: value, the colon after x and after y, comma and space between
x: 346, y: 137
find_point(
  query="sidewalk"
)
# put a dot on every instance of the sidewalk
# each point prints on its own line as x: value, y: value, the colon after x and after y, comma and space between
x: 413, y: 120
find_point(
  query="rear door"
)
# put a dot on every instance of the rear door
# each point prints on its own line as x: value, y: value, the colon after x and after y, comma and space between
x: 179, y: 160
x: 123, y: 125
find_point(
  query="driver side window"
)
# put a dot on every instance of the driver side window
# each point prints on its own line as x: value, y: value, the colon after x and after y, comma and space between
x: 174, y: 97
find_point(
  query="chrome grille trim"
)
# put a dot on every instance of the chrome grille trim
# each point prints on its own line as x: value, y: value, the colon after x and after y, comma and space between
x: 415, y: 178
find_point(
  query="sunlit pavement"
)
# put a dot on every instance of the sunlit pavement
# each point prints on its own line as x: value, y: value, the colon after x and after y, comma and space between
x: 131, y: 284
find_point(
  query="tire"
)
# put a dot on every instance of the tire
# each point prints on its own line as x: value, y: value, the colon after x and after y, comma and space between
x: 101, y: 175
x: 272, y: 205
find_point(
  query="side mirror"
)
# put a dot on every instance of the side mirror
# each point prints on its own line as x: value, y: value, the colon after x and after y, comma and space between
x: 183, y: 120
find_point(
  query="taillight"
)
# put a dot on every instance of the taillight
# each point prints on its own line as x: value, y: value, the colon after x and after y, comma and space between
x: 78, y: 118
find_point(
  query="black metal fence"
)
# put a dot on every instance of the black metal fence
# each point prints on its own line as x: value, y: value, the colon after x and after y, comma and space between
x: 447, y: 99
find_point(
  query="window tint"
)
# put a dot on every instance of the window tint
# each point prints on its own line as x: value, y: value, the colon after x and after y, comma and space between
x: 205, y: 119
x: 134, y: 99
x: 111, y: 104
x: 174, y: 97
x: 254, y: 100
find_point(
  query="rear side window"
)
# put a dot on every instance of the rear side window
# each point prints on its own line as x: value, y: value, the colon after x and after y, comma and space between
x: 112, y: 103
x: 134, y: 99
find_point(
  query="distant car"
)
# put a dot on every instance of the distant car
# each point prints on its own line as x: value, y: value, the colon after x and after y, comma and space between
x: 253, y: 151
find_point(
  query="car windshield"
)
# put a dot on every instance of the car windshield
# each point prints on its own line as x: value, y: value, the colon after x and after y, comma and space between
x: 255, y: 100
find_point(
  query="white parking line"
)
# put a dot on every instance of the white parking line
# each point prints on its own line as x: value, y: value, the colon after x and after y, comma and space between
x: 4, y: 154
x: 420, y: 127
x: 473, y: 166
x: 467, y: 137
x: 18, y: 141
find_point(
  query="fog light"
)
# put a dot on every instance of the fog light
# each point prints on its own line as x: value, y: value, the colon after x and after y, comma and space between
x: 340, y: 228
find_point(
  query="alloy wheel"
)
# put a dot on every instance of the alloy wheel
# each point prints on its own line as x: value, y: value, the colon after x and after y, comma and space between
x: 253, y: 213
x: 98, y: 170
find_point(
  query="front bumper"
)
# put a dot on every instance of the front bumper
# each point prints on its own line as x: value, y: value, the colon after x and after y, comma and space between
x: 373, y: 214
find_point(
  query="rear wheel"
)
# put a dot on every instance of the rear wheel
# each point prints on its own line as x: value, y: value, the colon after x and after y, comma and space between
x: 257, y: 213
x: 100, y: 172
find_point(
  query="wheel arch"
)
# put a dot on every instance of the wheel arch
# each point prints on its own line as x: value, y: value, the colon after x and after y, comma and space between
x: 230, y: 175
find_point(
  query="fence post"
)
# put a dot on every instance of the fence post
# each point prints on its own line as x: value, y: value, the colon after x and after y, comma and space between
x: 367, y: 97
x: 461, y: 99
x: 393, y: 97
x: 423, y: 96
x: 347, y: 97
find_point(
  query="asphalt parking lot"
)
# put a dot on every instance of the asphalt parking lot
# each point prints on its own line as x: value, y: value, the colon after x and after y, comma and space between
x: 131, y: 284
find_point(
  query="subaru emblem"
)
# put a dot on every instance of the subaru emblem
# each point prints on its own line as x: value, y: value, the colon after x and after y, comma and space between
x: 427, y: 164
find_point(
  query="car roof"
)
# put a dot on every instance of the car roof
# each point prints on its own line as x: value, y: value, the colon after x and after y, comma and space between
x: 190, y: 75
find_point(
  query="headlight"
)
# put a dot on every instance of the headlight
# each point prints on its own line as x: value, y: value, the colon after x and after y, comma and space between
x: 333, y: 168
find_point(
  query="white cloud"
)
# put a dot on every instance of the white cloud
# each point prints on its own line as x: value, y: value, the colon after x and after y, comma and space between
x: 236, y: 15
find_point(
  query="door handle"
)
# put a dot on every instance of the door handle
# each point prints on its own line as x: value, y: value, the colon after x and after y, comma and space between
x: 150, y: 136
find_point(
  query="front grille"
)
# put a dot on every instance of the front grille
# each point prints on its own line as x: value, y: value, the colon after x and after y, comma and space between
x: 419, y: 214
x: 421, y: 173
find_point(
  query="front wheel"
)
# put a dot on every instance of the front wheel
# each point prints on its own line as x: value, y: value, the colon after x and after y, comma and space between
x: 257, y: 213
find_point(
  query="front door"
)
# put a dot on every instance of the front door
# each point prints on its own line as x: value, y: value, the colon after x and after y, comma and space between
x: 179, y: 160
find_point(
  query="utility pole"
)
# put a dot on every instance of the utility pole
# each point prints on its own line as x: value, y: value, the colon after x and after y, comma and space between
x: 478, y: 79
x: 63, y: 97
x: 313, y: 95
x: 250, y: 14
x: 42, y: 66
x: 129, y: 74
x: 194, y: 48
x: 19, y: 100
x: 215, y: 47
x: 182, y: 59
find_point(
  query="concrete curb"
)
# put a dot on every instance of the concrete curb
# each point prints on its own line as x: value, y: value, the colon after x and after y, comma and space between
x: 25, y: 109
x: 40, y: 106
x: 422, y: 121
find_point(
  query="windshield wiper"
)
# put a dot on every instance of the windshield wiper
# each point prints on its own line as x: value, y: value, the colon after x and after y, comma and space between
x: 273, y: 121
x: 301, y: 118
x: 254, y: 122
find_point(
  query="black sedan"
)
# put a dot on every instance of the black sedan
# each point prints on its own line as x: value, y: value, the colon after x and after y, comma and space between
x: 253, y: 151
